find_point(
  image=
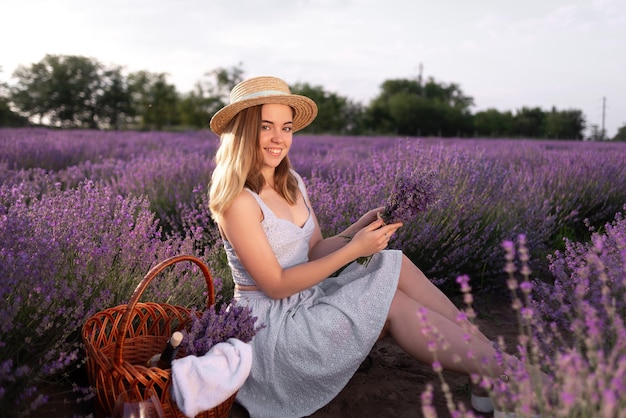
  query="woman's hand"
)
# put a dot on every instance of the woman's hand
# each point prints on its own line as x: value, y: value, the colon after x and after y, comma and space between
x: 363, y: 221
x: 370, y: 216
x: 374, y: 237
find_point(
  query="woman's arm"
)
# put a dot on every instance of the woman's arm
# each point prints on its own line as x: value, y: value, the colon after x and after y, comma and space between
x: 242, y: 227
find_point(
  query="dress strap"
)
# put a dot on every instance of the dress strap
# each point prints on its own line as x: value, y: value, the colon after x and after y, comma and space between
x: 267, y: 212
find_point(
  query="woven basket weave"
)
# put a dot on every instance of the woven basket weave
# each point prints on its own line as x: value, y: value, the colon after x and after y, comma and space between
x: 120, y: 340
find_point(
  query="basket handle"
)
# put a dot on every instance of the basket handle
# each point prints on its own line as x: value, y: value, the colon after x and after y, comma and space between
x: 119, y: 345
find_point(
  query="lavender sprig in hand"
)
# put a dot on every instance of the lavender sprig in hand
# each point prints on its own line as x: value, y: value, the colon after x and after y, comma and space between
x: 410, y: 196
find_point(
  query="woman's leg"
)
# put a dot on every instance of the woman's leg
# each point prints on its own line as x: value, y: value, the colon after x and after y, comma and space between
x: 463, y: 352
x: 414, y: 283
x: 419, y: 305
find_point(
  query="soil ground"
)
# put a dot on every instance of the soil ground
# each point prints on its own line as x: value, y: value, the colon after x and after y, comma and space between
x: 391, y: 387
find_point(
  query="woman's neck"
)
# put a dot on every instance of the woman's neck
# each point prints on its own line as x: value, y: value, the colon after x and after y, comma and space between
x: 270, y: 180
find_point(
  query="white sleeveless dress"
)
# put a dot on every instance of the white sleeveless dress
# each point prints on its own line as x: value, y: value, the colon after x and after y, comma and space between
x: 315, y: 340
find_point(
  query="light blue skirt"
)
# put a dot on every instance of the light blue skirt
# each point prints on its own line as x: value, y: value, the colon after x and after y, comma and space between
x: 315, y: 340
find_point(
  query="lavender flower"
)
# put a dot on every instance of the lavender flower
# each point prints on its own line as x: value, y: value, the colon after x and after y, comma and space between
x: 217, y: 325
x: 410, y: 196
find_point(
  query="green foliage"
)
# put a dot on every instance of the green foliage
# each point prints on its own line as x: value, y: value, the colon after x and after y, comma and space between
x: 114, y: 104
x: 621, y: 134
x: 63, y: 89
x: 411, y: 107
x: 224, y: 79
x: 8, y: 118
x: 566, y: 124
x: 155, y: 100
x: 530, y: 123
x: 80, y: 92
x: 209, y: 95
x: 336, y: 114
x: 493, y: 123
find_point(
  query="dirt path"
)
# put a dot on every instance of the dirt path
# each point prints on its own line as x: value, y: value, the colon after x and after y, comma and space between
x: 390, y: 388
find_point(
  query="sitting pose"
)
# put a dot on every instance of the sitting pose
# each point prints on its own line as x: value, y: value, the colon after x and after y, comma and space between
x: 319, y: 326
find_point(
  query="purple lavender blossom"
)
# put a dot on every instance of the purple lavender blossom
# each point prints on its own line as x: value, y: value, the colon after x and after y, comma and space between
x: 217, y: 325
x: 410, y: 196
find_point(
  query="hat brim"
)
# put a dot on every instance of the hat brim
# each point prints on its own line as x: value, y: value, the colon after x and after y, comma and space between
x: 305, y: 110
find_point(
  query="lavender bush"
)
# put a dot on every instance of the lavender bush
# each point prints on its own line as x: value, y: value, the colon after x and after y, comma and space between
x: 587, y: 273
x: 54, y: 150
x: 581, y: 341
x: 573, y: 331
x: 489, y: 193
x: 197, y: 225
x: 64, y: 256
x: 84, y: 214
x: 458, y: 235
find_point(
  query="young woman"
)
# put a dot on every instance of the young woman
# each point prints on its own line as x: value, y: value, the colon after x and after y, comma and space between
x: 319, y: 328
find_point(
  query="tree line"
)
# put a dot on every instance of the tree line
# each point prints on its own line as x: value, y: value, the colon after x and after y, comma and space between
x: 70, y: 91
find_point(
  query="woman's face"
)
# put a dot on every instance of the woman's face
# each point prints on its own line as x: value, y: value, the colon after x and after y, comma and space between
x: 276, y: 134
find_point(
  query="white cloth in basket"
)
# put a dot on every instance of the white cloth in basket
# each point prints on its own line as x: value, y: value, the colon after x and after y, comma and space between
x: 202, y: 383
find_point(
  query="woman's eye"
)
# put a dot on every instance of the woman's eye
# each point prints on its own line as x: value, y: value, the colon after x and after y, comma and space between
x: 287, y: 128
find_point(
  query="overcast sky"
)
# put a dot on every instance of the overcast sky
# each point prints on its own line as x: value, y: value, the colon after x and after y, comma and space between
x: 504, y: 54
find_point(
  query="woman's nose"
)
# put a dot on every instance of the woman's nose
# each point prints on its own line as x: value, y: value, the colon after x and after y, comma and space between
x: 277, y: 135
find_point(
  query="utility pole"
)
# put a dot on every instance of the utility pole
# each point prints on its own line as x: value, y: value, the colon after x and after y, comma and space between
x: 603, y: 132
x: 421, y: 72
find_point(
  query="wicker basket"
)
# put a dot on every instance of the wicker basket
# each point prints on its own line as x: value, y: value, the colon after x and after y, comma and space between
x: 120, y: 340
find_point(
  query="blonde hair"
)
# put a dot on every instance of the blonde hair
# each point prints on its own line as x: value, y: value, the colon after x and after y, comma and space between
x: 238, y: 163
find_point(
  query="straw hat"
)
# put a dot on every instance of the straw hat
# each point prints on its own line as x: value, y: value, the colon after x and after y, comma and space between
x: 261, y: 90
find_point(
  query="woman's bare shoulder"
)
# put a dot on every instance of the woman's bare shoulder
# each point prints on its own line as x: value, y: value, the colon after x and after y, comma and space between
x: 243, y: 204
x: 241, y: 217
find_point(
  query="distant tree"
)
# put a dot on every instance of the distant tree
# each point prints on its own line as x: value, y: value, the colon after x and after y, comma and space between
x: 8, y: 118
x: 565, y: 124
x: 450, y: 94
x: 595, y: 133
x: 529, y: 122
x: 32, y: 94
x: 60, y: 88
x: 493, y: 123
x: 223, y: 81
x: 414, y: 114
x: 621, y: 134
x: 72, y: 91
x: 114, y: 104
x: 193, y: 108
x: 378, y: 117
x: 336, y: 114
x: 354, y: 122
x: 155, y: 101
x: 411, y: 107
x: 209, y: 95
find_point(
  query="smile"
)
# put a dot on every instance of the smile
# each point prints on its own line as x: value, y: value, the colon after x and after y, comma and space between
x: 274, y: 151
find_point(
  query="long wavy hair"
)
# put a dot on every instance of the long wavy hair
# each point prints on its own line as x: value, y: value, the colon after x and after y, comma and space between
x: 238, y: 164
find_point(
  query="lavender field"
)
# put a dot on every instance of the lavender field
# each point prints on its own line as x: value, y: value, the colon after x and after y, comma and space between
x: 85, y: 214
